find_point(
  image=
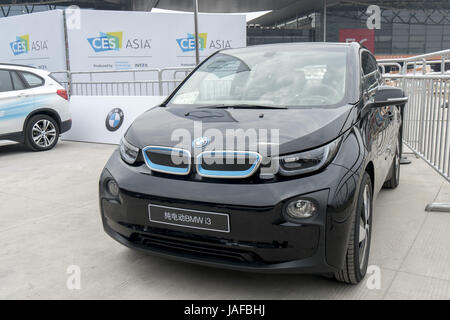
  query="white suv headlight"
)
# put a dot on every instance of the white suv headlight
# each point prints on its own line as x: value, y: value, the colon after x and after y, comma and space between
x: 128, y: 152
x: 309, y: 161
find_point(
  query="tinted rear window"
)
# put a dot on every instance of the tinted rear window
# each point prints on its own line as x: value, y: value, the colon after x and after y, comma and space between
x: 32, y: 79
x: 5, y: 81
x: 17, y: 82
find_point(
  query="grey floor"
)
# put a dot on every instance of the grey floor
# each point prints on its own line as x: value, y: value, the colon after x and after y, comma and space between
x: 49, y: 220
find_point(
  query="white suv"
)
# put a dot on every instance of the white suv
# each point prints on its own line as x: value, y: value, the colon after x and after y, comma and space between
x: 34, y: 107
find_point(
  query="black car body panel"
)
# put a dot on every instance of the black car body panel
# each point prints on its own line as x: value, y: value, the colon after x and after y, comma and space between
x: 300, y: 129
x: 279, y: 238
x: 262, y: 236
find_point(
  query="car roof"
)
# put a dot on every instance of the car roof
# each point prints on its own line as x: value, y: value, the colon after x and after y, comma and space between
x: 353, y: 48
x: 21, y: 67
x: 16, y: 65
x: 290, y: 45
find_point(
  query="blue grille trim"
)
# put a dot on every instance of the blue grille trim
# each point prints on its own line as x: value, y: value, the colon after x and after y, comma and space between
x: 166, y: 169
x: 228, y: 174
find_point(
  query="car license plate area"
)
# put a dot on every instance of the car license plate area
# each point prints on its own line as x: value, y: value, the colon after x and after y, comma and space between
x: 195, y: 219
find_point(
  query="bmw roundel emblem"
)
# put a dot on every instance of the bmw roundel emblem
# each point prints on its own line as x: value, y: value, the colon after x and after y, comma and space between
x: 200, y: 142
x: 114, y: 119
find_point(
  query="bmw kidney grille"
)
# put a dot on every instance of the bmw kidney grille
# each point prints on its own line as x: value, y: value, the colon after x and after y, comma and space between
x: 211, y: 164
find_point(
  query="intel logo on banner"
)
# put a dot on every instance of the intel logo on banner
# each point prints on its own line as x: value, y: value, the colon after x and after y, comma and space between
x: 107, y: 41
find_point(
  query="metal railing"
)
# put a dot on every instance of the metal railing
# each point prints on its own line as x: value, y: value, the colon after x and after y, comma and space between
x: 426, y: 118
x: 148, y: 82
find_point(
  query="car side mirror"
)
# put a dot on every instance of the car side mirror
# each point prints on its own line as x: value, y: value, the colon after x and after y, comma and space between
x: 388, y: 96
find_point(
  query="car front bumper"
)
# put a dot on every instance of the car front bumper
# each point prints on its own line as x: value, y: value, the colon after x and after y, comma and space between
x: 261, y: 237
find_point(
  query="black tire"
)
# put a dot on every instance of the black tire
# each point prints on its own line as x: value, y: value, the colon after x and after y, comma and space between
x: 38, y: 141
x: 394, y: 172
x: 357, y: 256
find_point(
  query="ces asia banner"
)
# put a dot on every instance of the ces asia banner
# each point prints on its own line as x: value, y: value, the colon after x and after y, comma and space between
x: 366, y: 37
x: 120, y: 40
x: 34, y: 39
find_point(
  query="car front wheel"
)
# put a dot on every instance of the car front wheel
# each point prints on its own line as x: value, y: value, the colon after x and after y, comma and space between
x: 357, y: 256
x: 42, y: 133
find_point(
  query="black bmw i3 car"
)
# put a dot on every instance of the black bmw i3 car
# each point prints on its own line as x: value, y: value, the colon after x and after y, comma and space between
x: 264, y: 159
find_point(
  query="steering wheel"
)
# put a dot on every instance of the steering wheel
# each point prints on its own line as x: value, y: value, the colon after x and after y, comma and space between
x: 316, y: 94
x: 327, y: 87
x: 314, y: 100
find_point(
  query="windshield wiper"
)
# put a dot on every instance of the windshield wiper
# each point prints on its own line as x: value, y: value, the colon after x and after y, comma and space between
x: 242, y: 106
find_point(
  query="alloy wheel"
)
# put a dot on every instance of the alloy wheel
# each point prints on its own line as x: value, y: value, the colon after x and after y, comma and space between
x: 364, y: 226
x: 397, y: 166
x: 44, y: 133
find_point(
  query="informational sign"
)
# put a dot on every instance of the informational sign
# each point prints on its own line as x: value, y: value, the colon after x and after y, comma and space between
x: 109, y: 41
x: 119, y: 40
x: 366, y: 37
x: 216, y: 32
x: 105, y: 119
x: 34, y: 39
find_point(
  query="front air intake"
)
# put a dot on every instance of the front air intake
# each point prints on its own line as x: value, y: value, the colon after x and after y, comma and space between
x: 167, y: 159
x: 227, y: 164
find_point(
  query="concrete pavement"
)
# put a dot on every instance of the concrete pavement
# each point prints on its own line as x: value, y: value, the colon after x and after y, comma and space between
x: 49, y: 220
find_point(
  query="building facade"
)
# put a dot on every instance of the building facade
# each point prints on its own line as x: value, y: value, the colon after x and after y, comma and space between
x: 388, y: 28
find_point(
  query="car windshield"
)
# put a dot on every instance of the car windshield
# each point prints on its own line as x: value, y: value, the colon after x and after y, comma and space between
x: 271, y: 76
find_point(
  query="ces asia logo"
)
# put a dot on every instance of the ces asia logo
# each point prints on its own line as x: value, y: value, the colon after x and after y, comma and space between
x: 188, y: 44
x: 23, y: 45
x: 107, y: 41
x: 112, y: 41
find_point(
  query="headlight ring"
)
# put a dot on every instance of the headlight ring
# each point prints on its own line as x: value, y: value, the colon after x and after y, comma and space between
x: 309, y: 161
x: 128, y: 152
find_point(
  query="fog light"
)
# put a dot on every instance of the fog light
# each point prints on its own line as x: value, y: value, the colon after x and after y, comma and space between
x: 301, y: 208
x: 112, y: 188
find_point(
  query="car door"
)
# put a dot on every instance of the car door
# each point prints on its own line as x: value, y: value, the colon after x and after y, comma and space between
x: 15, y: 102
x: 390, y: 116
x: 379, y: 119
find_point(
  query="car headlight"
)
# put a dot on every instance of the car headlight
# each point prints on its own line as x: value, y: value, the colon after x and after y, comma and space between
x: 128, y: 152
x: 309, y: 161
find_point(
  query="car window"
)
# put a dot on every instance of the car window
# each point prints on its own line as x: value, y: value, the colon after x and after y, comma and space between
x: 17, y: 82
x: 368, y: 63
x: 32, y: 80
x: 290, y: 76
x: 370, y: 70
x: 5, y: 81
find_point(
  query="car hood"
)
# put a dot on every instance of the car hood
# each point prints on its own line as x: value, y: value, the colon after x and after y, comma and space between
x: 298, y: 128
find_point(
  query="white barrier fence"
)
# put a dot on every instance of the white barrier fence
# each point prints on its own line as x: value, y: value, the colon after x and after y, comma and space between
x: 426, y: 124
x: 148, y: 82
